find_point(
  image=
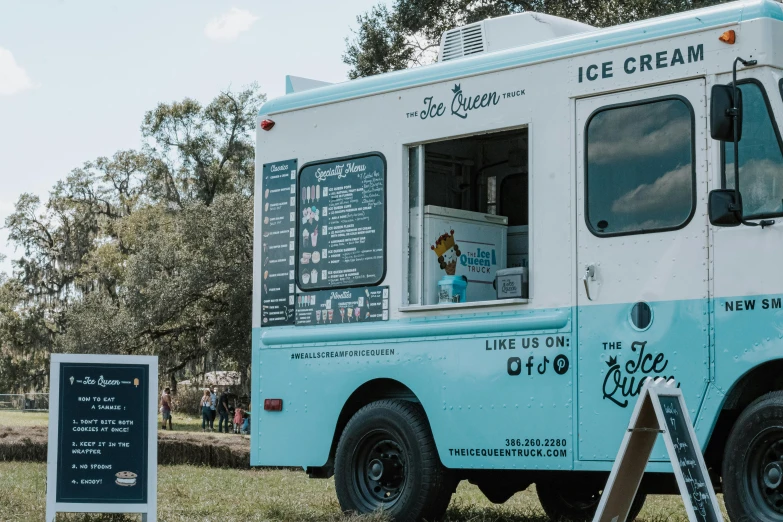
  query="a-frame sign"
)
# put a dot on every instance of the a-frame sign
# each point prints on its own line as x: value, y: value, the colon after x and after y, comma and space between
x: 660, y: 409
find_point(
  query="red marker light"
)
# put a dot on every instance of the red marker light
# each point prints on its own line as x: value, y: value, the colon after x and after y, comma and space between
x: 273, y: 404
x: 267, y: 124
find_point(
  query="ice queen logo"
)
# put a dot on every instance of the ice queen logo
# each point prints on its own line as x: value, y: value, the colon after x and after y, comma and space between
x: 619, y: 384
x: 461, y: 104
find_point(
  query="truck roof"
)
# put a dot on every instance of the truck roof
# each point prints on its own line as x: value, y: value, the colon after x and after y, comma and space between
x: 626, y: 34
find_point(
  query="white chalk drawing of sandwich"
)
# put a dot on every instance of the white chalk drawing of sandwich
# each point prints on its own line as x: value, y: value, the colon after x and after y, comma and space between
x: 126, y: 478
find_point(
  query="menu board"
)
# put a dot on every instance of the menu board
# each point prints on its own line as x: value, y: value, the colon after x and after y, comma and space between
x: 278, y: 249
x: 341, y: 225
x: 346, y: 306
x: 102, y: 452
x: 699, y: 493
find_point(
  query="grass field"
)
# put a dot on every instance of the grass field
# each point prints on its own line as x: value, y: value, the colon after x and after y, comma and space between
x: 189, y: 494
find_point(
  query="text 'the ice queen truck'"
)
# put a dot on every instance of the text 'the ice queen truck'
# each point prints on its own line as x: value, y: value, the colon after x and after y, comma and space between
x: 465, y: 271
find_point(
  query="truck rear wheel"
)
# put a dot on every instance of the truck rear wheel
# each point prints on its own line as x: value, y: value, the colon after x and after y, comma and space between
x: 577, y: 500
x: 386, y: 460
x: 753, y: 462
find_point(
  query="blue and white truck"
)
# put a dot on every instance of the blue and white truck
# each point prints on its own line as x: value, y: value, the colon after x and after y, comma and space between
x: 465, y: 271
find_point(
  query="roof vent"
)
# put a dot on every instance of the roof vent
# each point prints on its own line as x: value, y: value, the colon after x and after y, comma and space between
x: 505, y: 32
x: 462, y: 41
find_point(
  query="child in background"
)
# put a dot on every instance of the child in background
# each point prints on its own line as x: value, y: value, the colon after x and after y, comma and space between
x: 246, y: 423
x: 238, y: 418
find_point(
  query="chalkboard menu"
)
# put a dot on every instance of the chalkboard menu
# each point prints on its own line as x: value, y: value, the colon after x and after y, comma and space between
x: 345, y: 306
x: 687, y: 459
x: 341, y: 225
x: 103, y: 433
x: 278, y: 249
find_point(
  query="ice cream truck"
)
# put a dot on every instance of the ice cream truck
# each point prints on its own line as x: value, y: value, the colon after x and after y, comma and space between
x: 466, y: 270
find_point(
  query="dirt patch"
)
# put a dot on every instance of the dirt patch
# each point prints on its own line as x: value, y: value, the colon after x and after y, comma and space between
x: 217, y: 451
x: 213, y: 450
x: 24, y: 443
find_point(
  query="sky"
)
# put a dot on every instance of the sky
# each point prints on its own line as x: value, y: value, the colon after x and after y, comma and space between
x: 77, y: 76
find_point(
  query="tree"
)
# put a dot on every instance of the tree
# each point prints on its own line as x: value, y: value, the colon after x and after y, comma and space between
x: 145, y: 252
x: 409, y: 34
x: 199, y: 152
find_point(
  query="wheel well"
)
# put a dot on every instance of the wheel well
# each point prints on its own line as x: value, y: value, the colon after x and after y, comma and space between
x: 368, y: 392
x: 759, y: 381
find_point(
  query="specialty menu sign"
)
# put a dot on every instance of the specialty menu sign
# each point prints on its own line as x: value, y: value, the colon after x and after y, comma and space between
x: 342, y: 222
x: 278, y: 248
x: 102, y: 434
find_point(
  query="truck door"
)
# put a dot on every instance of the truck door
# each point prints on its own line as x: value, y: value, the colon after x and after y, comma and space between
x: 642, y: 288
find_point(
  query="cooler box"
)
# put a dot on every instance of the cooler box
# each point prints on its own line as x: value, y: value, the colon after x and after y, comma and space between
x: 463, y: 243
x: 512, y: 283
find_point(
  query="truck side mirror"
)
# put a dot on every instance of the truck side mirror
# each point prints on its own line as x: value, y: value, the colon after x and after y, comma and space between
x: 724, y: 209
x: 721, y: 112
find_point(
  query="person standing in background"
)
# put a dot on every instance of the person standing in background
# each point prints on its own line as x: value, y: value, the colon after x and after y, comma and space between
x: 213, y: 407
x: 222, y: 410
x: 165, y: 407
x: 238, y: 418
x: 206, y: 410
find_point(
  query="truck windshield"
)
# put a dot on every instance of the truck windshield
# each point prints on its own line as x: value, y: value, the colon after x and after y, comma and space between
x: 760, y: 156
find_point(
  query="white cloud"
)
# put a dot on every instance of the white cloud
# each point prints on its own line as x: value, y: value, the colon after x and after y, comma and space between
x: 637, y: 133
x: 669, y: 193
x: 13, y: 79
x: 228, y: 26
x: 761, y: 184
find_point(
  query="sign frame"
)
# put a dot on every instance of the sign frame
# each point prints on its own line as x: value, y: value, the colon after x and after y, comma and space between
x: 148, y: 510
x: 647, y: 422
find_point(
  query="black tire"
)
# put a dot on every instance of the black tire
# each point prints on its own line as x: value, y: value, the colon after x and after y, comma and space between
x: 577, y: 500
x: 386, y: 460
x: 753, y: 462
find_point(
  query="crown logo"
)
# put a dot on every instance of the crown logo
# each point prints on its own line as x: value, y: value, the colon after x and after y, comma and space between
x: 443, y: 244
x: 612, y: 361
x: 456, y: 88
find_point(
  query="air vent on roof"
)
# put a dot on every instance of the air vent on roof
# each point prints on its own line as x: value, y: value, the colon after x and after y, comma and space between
x: 495, y: 34
x: 462, y: 41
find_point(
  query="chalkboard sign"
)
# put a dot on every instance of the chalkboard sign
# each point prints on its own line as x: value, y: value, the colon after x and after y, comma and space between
x: 347, y: 306
x: 688, y: 459
x: 104, y: 410
x: 278, y: 249
x: 102, y: 434
x: 341, y: 225
x: 660, y: 410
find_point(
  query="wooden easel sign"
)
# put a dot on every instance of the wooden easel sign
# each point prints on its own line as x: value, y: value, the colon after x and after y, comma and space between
x: 103, y: 446
x: 660, y: 409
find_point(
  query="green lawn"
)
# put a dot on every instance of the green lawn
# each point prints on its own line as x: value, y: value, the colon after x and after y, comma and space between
x: 21, y: 419
x: 189, y: 494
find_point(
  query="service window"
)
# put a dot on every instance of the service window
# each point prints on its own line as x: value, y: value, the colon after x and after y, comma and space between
x: 341, y: 225
x: 760, y: 157
x: 640, y: 175
x: 468, y: 201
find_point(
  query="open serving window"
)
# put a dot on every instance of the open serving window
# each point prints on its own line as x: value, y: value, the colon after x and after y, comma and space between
x: 468, y: 221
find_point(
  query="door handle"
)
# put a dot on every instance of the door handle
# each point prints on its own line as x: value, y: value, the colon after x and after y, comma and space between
x: 589, y: 274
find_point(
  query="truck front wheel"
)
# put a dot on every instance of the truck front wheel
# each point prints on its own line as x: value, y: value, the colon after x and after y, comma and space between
x: 386, y: 460
x: 753, y: 462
